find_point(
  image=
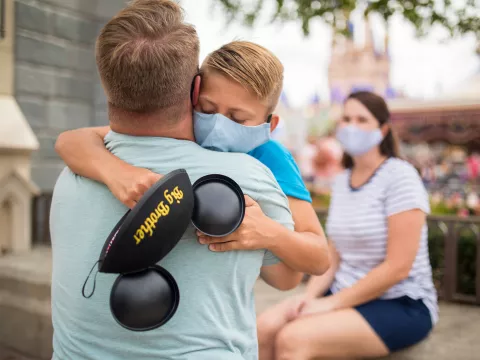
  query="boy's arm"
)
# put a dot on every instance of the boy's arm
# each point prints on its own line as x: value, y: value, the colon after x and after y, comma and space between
x: 275, y: 272
x: 84, y: 152
x: 275, y: 206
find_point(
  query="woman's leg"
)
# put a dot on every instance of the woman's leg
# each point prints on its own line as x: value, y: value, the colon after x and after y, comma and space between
x: 343, y: 334
x: 269, y: 323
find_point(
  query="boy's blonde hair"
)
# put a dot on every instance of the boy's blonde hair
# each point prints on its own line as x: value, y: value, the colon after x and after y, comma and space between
x: 251, y: 65
x: 147, y: 57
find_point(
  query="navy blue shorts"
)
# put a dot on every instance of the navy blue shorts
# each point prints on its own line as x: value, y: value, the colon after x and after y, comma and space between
x: 400, y: 322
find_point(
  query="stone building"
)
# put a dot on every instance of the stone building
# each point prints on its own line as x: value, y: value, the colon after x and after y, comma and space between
x: 48, y: 84
x: 55, y: 79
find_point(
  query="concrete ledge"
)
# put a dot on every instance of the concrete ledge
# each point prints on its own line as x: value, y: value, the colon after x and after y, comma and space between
x: 26, y: 329
x: 454, y: 337
x: 26, y: 332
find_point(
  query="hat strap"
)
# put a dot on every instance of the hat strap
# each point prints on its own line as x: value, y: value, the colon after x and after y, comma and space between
x: 94, y: 281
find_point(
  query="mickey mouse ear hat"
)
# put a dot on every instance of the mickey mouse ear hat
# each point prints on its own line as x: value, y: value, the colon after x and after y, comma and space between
x: 145, y: 295
x: 219, y: 205
x: 151, y: 230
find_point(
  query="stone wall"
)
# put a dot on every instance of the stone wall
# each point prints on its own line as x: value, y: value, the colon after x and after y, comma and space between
x: 56, y: 82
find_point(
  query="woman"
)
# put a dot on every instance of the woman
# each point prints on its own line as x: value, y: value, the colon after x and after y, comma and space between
x: 240, y: 87
x: 378, y: 296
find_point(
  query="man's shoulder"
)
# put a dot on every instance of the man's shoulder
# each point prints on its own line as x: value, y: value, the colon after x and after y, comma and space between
x: 233, y: 162
x: 72, y: 187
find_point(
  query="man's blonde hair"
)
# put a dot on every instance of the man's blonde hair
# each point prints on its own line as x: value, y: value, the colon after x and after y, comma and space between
x: 251, y: 65
x: 147, y: 58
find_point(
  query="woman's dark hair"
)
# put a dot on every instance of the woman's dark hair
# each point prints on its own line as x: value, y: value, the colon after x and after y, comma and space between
x: 378, y: 108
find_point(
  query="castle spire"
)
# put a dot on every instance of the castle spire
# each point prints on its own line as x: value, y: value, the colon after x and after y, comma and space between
x: 369, y: 44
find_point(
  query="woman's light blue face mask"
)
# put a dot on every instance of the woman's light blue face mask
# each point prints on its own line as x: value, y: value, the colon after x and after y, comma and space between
x: 217, y: 132
x: 356, y: 141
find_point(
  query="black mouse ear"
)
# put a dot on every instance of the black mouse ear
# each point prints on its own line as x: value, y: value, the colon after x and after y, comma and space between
x: 152, y: 228
x: 137, y: 312
x: 219, y: 205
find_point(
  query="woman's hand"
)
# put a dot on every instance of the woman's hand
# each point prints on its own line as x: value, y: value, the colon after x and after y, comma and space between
x: 129, y: 184
x: 318, y: 306
x: 296, y: 306
x: 257, y: 231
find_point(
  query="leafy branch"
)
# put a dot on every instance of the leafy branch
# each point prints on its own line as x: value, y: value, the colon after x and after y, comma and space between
x: 422, y: 14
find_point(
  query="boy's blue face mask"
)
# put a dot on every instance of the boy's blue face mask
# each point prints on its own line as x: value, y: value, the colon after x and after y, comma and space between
x: 219, y: 133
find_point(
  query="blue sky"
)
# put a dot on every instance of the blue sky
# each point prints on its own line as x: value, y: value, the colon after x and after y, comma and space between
x: 422, y: 68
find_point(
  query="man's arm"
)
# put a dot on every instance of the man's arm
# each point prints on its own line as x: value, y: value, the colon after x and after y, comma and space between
x: 84, y: 152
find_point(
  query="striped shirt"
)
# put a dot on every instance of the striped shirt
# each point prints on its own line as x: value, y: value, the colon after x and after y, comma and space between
x: 357, y: 225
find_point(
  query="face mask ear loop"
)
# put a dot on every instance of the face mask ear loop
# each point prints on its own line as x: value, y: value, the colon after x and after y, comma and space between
x: 193, y: 84
x: 94, y: 281
x: 269, y: 118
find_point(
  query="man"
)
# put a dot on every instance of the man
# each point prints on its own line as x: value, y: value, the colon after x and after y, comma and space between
x: 147, y: 57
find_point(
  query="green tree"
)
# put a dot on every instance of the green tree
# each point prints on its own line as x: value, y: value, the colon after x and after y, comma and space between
x: 456, y: 16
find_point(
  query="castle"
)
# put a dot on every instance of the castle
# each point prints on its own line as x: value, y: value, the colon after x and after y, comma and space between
x: 355, y: 67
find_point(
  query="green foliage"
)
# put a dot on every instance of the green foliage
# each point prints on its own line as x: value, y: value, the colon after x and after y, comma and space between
x: 460, y: 18
x: 442, y: 209
x: 436, y: 247
x: 466, y: 258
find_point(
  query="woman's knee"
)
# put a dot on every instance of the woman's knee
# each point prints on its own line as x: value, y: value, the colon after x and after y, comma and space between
x: 267, y: 328
x: 271, y: 322
x: 290, y: 343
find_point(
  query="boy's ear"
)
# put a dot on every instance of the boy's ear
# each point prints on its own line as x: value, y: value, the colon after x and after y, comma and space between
x: 274, y: 122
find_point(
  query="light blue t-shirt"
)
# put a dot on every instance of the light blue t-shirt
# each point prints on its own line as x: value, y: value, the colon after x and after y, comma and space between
x: 216, y: 315
x: 280, y: 161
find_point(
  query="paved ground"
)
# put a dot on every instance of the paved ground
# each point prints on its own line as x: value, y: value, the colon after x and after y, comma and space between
x: 456, y: 337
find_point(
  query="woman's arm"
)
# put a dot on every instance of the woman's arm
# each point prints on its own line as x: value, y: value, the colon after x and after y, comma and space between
x: 404, y: 233
x: 84, y: 152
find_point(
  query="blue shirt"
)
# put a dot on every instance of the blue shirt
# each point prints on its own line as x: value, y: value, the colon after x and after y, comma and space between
x: 280, y: 161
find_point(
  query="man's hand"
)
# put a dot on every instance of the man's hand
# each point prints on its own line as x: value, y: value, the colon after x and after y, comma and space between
x: 131, y: 183
x: 256, y: 232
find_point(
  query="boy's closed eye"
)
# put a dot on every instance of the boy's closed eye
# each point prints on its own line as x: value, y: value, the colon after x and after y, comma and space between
x: 238, y: 121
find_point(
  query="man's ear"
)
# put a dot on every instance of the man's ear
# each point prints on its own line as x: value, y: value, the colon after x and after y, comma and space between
x: 196, y: 89
x: 274, y: 122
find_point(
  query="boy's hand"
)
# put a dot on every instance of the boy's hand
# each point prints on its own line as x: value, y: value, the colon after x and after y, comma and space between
x: 257, y: 231
x: 129, y: 184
